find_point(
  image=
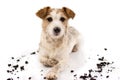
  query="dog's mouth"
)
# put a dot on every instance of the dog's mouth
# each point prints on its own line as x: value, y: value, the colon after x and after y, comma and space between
x: 56, y: 34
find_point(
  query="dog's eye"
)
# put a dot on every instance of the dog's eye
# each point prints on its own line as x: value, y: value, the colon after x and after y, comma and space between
x: 62, y: 19
x: 49, y: 19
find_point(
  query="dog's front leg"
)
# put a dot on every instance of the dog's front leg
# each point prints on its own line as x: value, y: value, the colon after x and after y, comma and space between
x: 48, y: 62
x: 53, y: 73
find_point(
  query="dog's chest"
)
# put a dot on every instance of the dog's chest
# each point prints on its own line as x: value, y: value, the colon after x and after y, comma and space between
x: 54, y: 49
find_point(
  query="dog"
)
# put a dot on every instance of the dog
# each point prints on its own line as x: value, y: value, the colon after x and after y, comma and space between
x: 58, y: 39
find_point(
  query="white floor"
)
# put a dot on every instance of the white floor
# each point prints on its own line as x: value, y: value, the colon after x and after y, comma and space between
x: 98, y: 22
x: 78, y: 63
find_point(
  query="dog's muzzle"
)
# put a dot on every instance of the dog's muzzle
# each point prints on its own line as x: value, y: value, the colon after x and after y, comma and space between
x: 56, y: 31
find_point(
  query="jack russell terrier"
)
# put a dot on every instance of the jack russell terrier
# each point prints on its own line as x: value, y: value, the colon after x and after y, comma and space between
x: 58, y: 39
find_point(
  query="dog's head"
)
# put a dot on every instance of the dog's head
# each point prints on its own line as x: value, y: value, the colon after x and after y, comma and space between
x: 55, y: 21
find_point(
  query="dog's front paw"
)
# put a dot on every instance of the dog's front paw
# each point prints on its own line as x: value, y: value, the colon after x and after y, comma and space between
x: 50, y: 62
x: 51, y: 76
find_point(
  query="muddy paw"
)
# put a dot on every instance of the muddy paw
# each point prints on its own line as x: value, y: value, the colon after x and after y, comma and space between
x: 50, y: 63
x: 51, y: 76
x: 53, y: 62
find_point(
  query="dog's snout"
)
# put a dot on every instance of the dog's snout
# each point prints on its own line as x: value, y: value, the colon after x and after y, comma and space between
x: 57, y: 30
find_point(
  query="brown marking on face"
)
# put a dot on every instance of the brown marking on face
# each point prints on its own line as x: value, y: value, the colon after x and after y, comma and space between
x: 64, y: 16
x: 45, y: 24
x: 43, y: 13
x: 65, y: 23
x: 59, y: 11
x: 46, y: 12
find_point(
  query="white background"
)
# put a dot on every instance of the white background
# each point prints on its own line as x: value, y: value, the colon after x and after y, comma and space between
x: 97, y: 20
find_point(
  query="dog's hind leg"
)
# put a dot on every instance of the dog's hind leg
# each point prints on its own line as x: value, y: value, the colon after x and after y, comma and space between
x: 76, y: 47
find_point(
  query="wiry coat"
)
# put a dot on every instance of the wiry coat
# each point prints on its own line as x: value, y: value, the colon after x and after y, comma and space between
x: 54, y: 50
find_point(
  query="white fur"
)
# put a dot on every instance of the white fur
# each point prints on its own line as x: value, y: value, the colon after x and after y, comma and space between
x: 55, y: 23
x: 57, y: 47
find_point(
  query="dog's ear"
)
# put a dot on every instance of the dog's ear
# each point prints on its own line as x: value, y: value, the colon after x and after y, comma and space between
x: 42, y: 13
x: 68, y: 12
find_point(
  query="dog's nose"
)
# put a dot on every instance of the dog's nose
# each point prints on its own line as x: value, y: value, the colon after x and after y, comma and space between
x: 57, y: 30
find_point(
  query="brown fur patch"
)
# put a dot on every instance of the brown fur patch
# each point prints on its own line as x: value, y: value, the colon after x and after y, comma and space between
x: 68, y: 12
x: 63, y: 15
x: 42, y: 13
x: 45, y: 24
